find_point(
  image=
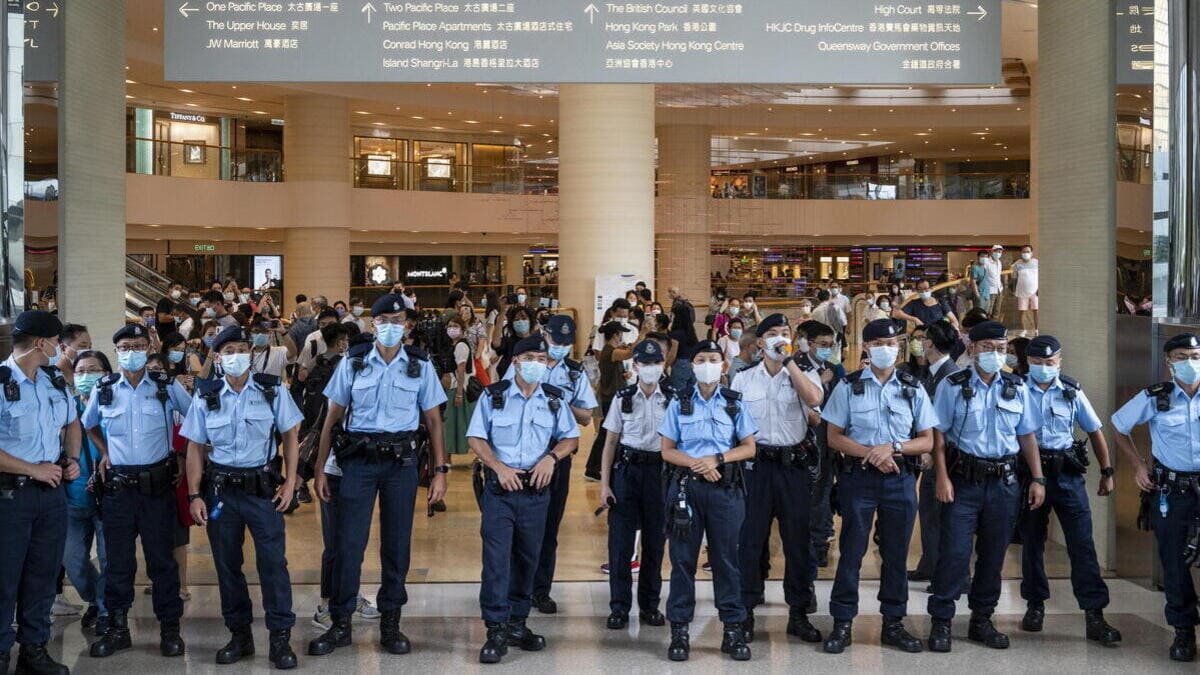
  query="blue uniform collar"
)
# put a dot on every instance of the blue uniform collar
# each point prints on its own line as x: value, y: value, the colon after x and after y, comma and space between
x: 374, y: 355
x: 997, y: 381
x: 125, y: 381
x: 18, y: 375
x: 869, y: 374
x: 514, y: 391
x: 700, y: 399
x: 227, y: 389
x: 1037, y: 388
x: 1182, y: 393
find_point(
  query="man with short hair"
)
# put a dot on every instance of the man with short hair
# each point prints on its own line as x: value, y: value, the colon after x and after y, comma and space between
x: 214, y: 307
x: 72, y: 341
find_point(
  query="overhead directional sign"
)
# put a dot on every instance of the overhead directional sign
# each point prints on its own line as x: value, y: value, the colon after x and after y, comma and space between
x: 1135, y: 42
x: 43, y: 39
x: 763, y: 41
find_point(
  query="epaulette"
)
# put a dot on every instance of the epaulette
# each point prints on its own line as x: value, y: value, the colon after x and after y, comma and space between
x: 627, y: 391
x: 572, y: 364
x: 960, y: 378
x: 1013, y: 379
x: 1070, y: 382
x: 746, y: 367
x: 266, y: 380
x: 110, y: 379
x: 907, y: 378
x: 1162, y: 391
x: 496, y: 393
x: 209, y: 386
x: 360, y: 350
x: 156, y: 376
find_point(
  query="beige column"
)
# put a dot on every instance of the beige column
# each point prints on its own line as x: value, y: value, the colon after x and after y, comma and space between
x: 681, y: 222
x: 1076, y: 207
x: 91, y: 213
x: 606, y: 189
x: 317, y: 150
x: 514, y: 265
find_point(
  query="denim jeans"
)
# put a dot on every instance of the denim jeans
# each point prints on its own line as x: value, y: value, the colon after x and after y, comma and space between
x: 84, y: 527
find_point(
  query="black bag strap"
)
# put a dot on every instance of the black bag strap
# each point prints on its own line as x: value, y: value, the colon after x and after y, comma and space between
x: 1162, y: 393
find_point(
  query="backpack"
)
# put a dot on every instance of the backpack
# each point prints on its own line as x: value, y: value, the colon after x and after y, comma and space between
x: 312, y: 402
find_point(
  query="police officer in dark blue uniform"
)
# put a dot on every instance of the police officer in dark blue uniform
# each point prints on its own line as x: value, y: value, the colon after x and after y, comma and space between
x: 881, y: 421
x: 37, y: 421
x: 382, y: 391
x: 522, y: 432
x: 137, y: 488
x: 1064, y: 464
x: 706, y: 435
x: 238, y: 416
x: 985, y: 417
x: 631, y: 487
x: 1172, y: 484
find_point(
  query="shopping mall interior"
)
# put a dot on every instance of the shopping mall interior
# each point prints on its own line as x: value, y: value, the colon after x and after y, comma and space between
x: 1079, y: 147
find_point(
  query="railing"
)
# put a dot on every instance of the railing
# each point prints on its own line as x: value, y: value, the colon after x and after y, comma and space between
x: 200, y: 160
x: 383, y: 173
x: 778, y: 185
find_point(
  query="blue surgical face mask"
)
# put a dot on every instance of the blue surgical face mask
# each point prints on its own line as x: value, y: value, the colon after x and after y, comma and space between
x: 260, y: 339
x: 208, y: 341
x: 521, y: 299
x: 235, y: 365
x: 824, y: 353
x: 86, y: 382
x: 521, y: 326
x: 735, y: 333
x: 1043, y: 374
x: 533, y: 371
x: 1187, y: 372
x: 558, y: 352
x: 133, y: 361
x: 991, y: 362
x: 175, y: 357
x: 389, y: 334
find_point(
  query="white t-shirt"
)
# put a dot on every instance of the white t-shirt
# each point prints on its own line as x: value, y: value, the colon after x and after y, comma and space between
x: 462, y: 354
x: 272, y: 361
x: 306, y: 358
x: 185, y: 328
x: 730, y: 347
x: 841, y: 302
x: 357, y: 321
x: 992, y: 266
x: 1027, y: 277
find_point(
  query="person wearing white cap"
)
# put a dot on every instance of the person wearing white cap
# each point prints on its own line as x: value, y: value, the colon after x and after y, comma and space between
x: 993, y: 266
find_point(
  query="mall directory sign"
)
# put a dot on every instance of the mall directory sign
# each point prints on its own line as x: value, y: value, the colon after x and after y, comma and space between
x: 553, y: 41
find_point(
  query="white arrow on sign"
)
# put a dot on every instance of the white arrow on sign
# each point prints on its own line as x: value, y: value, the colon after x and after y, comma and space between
x: 369, y: 10
x: 591, y: 10
x: 981, y: 13
x: 184, y: 9
x: 53, y: 11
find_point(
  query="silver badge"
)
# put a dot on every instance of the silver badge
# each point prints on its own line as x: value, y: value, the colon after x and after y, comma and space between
x: 395, y: 307
x: 565, y: 329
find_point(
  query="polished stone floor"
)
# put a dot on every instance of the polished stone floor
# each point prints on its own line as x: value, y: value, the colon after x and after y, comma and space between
x: 442, y: 621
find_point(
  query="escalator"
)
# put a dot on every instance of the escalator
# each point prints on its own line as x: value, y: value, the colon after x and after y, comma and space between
x: 144, y: 287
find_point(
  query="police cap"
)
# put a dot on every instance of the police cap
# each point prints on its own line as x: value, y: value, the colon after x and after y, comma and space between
x: 533, y: 343
x: 392, y: 303
x: 131, y: 330
x: 880, y: 328
x: 774, y: 321
x: 561, y: 329
x: 988, y: 330
x: 37, y: 323
x: 707, y: 346
x: 1043, y: 347
x: 648, y: 351
x: 1181, y: 341
x: 230, y: 334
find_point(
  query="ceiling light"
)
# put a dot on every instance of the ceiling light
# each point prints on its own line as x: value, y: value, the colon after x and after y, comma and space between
x: 921, y: 133
x: 495, y: 131
x: 191, y: 105
x: 471, y: 122
x: 243, y: 98
x: 130, y: 82
x: 378, y: 124
x: 361, y: 112
x: 259, y: 112
x: 525, y: 125
x: 187, y: 91
x: 439, y: 128
x: 415, y: 117
x: 155, y: 29
x: 128, y: 96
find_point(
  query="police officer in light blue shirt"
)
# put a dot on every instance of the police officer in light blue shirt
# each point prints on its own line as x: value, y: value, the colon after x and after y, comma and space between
x: 1063, y: 405
x: 522, y: 432
x: 138, y: 480
x: 39, y: 449
x: 1172, y: 409
x: 378, y: 396
x: 881, y: 421
x: 706, y: 434
x: 985, y: 417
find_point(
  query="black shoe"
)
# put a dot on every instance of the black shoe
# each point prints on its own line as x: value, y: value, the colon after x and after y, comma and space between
x: 496, y: 646
x: 545, y: 604
x: 170, y: 644
x: 390, y: 636
x: 1035, y: 616
x: 680, y: 645
x: 1099, y: 630
x: 34, y: 660
x: 748, y: 627
x: 1182, y: 649
x: 102, y: 623
x: 241, y: 643
x: 87, y: 621
x: 338, y: 635
x: 894, y: 635
x: 761, y: 599
x: 733, y: 643
x: 939, y: 636
x: 114, y: 639
x: 811, y: 606
x: 617, y: 621
x: 303, y: 494
x: 799, y: 625
x: 983, y: 631
x: 822, y: 551
x: 524, y: 639
x: 440, y: 506
x: 839, y: 638
x: 918, y: 575
x: 929, y: 589
x: 652, y: 617
x: 281, y: 655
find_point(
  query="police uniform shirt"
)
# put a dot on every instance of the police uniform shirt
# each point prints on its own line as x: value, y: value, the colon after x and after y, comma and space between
x: 136, y: 426
x: 1174, y: 434
x: 638, y: 429
x: 240, y: 432
x: 385, y: 399
x: 881, y: 415
x: 30, y: 428
x: 579, y: 393
x: 708, y: 430
x: 987, y: 426
x: 1059, y: 415
x: 525, y: 429
x: 781, y: 416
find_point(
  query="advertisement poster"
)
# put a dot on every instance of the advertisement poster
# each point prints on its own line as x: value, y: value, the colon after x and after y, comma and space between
x: 267, y: 271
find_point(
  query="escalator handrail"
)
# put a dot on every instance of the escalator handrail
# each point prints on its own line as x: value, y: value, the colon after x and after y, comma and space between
x: 150, y: 276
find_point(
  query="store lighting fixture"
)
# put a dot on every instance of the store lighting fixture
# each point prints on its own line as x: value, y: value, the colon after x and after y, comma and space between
x: 191, y: 105
x: 128, y: 96
x: 415, y: 117
x: 527, y: 126
x: 438, y: 128
x: 361, y: 112
x: 259, y: 112
x: 243, y: 98
x: 130, y: 82
x: 471, y: 122
x: 187, y: 91
x: 378, y: 124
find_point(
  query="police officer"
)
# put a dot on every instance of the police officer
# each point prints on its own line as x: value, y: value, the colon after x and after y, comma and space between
x: 35, y: 411
x: 1064, y: 464
x: 985, y: 417
x: 822, y: 356
x: 881, y: 421
x: 238, y: 415
x: 631, y: 487
x: 778, y: 393
x: 137, y: 491
x: 382, y: 392
x: 1172, y: 484
x: 523, y: 433
x: 706, y: 436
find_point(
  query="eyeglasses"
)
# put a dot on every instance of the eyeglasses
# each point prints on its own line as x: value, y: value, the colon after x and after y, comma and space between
x: 1180, y: 358
x: 125, y: 349
x: 395, y: 321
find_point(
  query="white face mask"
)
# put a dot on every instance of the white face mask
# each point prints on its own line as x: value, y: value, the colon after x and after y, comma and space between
x: 649, y: 373
x: 708, y: 372
x: 1026, y: 256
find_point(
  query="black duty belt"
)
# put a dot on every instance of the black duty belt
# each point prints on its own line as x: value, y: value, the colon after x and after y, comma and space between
x: 907, y: 463
x: 10, y: 483
x: 375, y: 448
x: 258, y: 481
x: 979, y: 469
x: 801, y: 454
x: 636, y: 457
x: 1072, y: 461
x: 1177, y: 481
x: 731, y: 475
x: 486, y: 478
x: 148, y: 479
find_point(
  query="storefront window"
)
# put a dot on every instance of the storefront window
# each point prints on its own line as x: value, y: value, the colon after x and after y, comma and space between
x: 438, y: 166
x: 380, y: 162
x: 494, y: 168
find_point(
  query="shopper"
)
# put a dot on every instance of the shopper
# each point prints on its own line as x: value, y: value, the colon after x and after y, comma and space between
x: 458, y: 408
x: 926, y: 309
x: 1025, y: 288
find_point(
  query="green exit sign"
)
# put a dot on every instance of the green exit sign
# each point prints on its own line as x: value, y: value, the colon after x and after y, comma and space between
x: 207, y: 248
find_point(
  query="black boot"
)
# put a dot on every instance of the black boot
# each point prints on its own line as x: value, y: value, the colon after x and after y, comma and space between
x: 87, y: 621
x: 545, y: 604
x: 680, y: 645
x: 733, y: 643
x: 839, y: 638
x: 1035, y: 616
x: 799, y: 625
x: 524, y: 639
x: 34, y: 660
x: 617, y: 620
x: 894, y: 635
x: 1182, y: 649
x: 281, y: 654
x: 939, y: 636
x: 748, y: 627
x: 170, y: 644
x: 652, y: 617
x: 497, y: 643
x: 115, y: 638
x: 338, y: 635
x: 390, y: 636
x: 241, y: 643
x: 983, y: 631
x: 811, y: 606
x: 1099, y: 630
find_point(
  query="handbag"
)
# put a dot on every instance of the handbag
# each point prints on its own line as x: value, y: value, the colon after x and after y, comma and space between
x: 474, y: 389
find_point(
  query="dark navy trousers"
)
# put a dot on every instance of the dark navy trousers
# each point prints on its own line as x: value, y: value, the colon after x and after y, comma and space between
x: 227, y: 536
x: 638, y: 491
x: 1067, y: 496
x: 560, y: 487
x: 329, y: 511
x: 776, y: 492
x: 1171, y: 532
x: 929, y: 510
x: 512, y: 525
x: 33, y: 534
x: 719, y: 513
x: 129, y: 514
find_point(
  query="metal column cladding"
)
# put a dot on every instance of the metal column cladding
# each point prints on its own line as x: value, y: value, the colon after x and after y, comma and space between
x: 12, y: 160
x: 1179, y: 279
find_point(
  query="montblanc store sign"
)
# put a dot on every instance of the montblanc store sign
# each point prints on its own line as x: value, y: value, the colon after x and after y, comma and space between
x: 554, y: 41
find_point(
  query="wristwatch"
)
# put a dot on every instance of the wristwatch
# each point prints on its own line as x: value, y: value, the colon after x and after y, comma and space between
x: 192, y: 498
x: 720, y: 459
x: 898, y: 447
x: 1108, y: 472
x: 443, y: 468
x: 1040, y: 480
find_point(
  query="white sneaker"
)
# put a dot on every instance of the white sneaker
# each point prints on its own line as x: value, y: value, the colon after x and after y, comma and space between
x: 63, y: 608
x: 365, y: 609
x: 321, y: 618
